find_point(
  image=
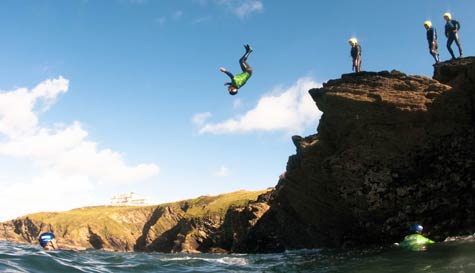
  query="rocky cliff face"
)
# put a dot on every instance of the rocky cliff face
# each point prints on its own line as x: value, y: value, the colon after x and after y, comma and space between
x: 391, y: 150
x: 205, y: 224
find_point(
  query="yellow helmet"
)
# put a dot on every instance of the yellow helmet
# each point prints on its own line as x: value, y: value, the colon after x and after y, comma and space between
x: 353, y: 41
x: 448, y: 15
x: 428, y: 24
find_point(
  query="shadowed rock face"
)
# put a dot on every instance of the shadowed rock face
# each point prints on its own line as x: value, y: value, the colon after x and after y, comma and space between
x: 391, y: 150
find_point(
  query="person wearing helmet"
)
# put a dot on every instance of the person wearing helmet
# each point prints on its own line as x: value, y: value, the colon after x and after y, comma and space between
x: 432, y: 39
x: 47, y: 241
x: 237, y: 81
x: 452, y: 28
x: 355, y: 54
x: 416, y: 241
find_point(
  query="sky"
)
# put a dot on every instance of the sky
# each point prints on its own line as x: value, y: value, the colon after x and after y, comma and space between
x: 99, y: 98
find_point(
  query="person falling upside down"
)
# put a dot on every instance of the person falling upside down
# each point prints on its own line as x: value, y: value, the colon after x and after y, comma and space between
x: 237, y: 81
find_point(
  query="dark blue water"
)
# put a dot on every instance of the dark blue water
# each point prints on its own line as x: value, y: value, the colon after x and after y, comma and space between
x: 443, y: 257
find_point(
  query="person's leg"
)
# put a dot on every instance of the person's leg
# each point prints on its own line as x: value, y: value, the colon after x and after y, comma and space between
x: 457, y: 41
x: 434, y: 53
x: 245, y: 67
x: 450, y: 40
x: 358, y: 64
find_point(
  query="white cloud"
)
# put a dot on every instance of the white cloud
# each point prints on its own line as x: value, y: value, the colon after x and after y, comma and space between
x: 222, y: 172
x: 247, y: 7
x: 17, y: 108
x: 200, y: 118
x: 61, y: 157
x: 139, y: 2
x: 200, y: 20
x: 241, y: 8
x: 48, y: 191
x: 290, y: 110
x: 178, y: 14
x: 161, y: 20
x: 237, y: 103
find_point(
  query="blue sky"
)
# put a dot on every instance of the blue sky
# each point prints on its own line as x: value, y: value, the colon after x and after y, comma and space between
x: 105, y: 97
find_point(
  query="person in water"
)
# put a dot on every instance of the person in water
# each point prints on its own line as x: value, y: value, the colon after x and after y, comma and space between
x: 416, y: 241
x: 452, y: 28
x: 432, y: 40
x: 47, y: 241
x: 355, y: 54
x: 237, y: 81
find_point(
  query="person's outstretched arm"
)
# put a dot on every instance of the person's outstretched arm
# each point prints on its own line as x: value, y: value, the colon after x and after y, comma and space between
x: 230, y: 75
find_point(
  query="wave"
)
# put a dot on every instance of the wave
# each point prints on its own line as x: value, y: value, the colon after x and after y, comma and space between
x: 442, y: 257
x: 222, y: 260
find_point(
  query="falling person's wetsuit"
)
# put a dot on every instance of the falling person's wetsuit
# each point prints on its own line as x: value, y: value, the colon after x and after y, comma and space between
x: 237, y: 81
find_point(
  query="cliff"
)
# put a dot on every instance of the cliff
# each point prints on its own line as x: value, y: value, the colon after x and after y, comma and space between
x: 197, y: 225
x: 391, y: 150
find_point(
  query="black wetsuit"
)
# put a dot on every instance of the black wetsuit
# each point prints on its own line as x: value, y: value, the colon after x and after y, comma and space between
x: 356, y: 55
x: 452, y: 36
x: 432, y: 40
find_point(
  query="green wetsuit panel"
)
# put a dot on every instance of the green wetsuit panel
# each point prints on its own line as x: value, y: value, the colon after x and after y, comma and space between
x: 415, y: 241
x: 240, y: 79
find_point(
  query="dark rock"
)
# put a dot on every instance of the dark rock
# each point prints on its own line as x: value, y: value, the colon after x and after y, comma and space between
x: 391, y: 150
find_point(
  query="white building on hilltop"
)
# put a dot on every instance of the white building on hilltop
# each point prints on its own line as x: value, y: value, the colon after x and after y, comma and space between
x: 130, y: 199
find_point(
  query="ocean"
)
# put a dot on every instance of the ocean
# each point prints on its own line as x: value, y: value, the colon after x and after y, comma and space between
x: 458, y: 257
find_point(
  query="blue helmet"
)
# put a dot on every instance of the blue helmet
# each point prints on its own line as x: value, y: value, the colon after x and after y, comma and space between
x: 416, y: 228
x: 45, y: 238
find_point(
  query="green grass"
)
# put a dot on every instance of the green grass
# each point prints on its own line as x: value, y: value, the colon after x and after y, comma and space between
x: 131, y: 218
x: 126, y: 223
x: 209, y: 205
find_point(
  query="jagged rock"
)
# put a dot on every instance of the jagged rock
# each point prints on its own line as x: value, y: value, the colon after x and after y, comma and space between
x: 391, y: 150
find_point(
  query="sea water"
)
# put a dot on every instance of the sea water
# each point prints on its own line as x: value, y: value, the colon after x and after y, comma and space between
x: 451, y: 257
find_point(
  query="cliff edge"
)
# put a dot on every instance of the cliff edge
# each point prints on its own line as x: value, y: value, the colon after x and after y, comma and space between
x: 391, y: 150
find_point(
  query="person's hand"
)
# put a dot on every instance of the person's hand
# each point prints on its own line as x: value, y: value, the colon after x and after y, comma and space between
x: 222, y: 69
x: 455, y: 31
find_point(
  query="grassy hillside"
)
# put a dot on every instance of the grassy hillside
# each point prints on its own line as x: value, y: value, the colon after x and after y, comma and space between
x: 124, y: 227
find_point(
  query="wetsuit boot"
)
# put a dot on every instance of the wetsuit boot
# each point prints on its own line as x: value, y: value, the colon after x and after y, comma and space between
x: 242, y: 62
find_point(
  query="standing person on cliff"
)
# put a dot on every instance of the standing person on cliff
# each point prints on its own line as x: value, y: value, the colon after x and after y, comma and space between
x: 237, y: 81
x: 355, y: 55
x: 452, y: 28
x: 432, y: 39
